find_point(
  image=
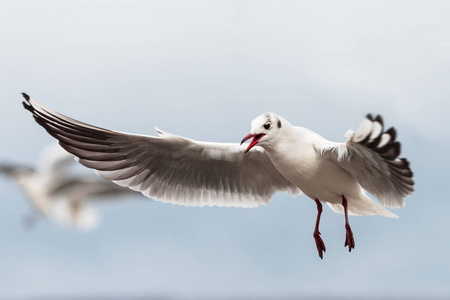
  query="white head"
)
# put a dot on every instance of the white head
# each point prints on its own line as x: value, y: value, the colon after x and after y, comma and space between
x: 265, y: 130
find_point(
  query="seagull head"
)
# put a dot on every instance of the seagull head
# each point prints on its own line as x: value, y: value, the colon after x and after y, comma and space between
x: 265, y: 129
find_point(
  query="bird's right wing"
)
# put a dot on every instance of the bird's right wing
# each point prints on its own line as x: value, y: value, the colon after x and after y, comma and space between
x: 168, y: 168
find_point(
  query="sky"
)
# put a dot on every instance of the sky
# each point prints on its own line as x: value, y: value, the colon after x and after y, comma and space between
x: 204, y: 70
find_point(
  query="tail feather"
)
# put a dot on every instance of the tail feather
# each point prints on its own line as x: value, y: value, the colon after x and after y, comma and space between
x: 362, y: 206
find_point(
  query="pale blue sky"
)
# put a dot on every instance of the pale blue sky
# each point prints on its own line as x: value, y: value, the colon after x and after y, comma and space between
x: 204, y: 70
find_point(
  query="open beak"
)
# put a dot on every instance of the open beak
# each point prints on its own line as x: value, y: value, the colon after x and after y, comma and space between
x: 256, y: 138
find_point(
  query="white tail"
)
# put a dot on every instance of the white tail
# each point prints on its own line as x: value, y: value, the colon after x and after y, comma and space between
x: 362, y: 206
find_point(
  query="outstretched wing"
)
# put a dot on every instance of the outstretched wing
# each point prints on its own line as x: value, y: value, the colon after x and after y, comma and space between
x: 168, y: 168
x: 371, y: 156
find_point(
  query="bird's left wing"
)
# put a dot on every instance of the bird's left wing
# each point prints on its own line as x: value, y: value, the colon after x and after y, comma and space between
x: 371, y: 156
x: 168, y: 168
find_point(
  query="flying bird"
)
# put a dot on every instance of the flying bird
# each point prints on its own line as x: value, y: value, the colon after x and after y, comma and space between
x: 58, y: 193
x: 280, y: 157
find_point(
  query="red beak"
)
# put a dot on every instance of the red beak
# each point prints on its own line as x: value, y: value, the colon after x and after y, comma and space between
x: 256, y: 138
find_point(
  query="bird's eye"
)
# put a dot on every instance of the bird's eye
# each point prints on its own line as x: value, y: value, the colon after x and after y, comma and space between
x: 267, y: 125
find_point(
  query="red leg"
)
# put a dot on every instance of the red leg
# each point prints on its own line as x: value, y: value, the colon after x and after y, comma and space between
x: 319, y: 243
x: 349, y: 241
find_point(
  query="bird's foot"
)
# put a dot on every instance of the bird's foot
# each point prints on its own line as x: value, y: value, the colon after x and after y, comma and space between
x: 319, y: 244
x: 349, y: 241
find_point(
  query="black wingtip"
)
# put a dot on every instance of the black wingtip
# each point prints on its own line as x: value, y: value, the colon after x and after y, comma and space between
x: 27, y: 106
x: 393, y: 133
x: 369, y: 116
x: 26, y: 96
x: 379, y: 119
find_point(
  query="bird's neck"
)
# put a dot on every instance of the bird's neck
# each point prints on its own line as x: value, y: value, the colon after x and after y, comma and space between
x: 293, y: 148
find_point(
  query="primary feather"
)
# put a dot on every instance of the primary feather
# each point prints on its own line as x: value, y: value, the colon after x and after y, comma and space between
x: 371, y: 155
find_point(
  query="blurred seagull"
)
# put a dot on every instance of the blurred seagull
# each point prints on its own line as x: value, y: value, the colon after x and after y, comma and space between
x: 280, y: 157
x: 59, y: 195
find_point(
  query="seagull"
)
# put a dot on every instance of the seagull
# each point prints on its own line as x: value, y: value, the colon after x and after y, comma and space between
x: 59, y: 195
x: 280, y: 157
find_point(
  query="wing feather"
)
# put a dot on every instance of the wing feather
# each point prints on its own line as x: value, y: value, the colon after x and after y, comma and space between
x: 371, y: 156
x: 168, y: 168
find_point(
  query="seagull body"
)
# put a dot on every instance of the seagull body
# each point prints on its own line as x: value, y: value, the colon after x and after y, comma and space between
x: 281, y: 157
x: 316, y: 177
x: 299, y: 156
x: 57, y: 194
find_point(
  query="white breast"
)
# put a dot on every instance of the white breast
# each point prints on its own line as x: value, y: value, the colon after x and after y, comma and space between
x: 316, y: 176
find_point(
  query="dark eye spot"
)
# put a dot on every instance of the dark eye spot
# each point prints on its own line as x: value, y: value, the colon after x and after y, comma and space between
x: 267, y: 125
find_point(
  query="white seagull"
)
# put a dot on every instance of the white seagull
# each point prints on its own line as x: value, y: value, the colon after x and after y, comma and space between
x: 58, y: 193
x: 281, y: 157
